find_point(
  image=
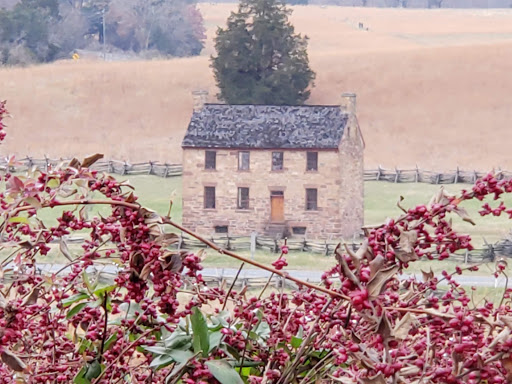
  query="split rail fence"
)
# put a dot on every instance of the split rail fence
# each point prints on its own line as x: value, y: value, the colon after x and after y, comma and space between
x: 110, y: 166
x: 396, y: 175
x: 241, y: 243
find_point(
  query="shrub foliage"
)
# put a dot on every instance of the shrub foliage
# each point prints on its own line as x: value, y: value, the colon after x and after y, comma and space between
x: 151, y: 318
x: 45, y: 30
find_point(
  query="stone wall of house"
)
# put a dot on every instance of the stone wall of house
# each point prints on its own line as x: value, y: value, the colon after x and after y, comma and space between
x: 324, y: 223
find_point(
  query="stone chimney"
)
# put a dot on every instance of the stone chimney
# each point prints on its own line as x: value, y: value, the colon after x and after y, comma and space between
x: 348, y: 102
x: 200, y: 99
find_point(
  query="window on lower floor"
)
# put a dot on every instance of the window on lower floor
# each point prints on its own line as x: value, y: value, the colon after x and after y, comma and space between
x: 311, y: 199
x: 243, y: 198
x: 299, y: 230
x: 209, y: 197
x: 221, y: 229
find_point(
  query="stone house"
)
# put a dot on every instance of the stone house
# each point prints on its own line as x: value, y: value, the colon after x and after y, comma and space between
x: 274, y: 170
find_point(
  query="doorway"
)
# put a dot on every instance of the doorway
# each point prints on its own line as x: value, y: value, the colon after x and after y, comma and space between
x: 277, y: 206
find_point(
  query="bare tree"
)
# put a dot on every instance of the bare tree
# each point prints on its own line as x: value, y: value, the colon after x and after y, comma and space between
x: 169, y: 26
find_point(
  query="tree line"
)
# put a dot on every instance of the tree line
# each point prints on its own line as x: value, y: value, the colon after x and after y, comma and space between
x: 34, y: 31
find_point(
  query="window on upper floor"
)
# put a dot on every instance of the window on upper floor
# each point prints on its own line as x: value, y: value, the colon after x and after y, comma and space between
x: 311, y: 199
x: 277, y: 161
x: 209, y: 197
x: 243, y: 198
x: 244, y: 160
x: 312, y: 161
x: 210, y: 160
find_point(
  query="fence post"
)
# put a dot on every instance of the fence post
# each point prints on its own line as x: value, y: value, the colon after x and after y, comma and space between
x: 456, y: 180
x: 326, y: 248
x: 417, y: 175
x: 253, y: 244
x: 474, y: 176
x: 466, y: 257
x: 228, y: 244
x: 166, y: 170
x: 45, y: 163
x: 397, y: 175
x: 125, y: 168
x: 150, y: 172
x: 180, y: 242
x: 379, y: 171
x: 437, y: 178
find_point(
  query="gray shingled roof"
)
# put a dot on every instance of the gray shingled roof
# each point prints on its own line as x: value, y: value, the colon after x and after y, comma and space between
x: 266, y: 126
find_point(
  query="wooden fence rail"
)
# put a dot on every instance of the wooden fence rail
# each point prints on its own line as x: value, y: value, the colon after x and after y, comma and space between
x: 295, y: 245
x: 418, y: 175
x: 109, y: 166
x: 396, y: 175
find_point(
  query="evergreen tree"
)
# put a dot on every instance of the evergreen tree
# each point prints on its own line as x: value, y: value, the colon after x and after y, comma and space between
x: 260, y: 59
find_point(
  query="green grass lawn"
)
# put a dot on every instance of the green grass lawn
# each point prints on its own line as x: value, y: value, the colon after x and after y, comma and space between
x: 380, y: 203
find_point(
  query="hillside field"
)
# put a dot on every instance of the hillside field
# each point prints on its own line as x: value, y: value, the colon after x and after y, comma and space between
x: 433, y: 89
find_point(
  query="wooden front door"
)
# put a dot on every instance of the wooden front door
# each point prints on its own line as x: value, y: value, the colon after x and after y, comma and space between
x: 277, y: 207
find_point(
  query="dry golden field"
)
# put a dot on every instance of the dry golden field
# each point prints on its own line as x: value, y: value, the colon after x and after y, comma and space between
x: 434, y: 89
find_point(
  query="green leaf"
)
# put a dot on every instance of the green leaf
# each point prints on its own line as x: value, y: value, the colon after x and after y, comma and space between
x: 111, y: 340
x: 53, y: 183
x: 263, y: 330
x: 161, y: 361
x: 73, y: 299
x: 84, y: 346
x: 87, y: 282
x: 224, y: 372
x: 96, y: 303
x: 245, y: 371
x: 215, y: 338
x: 73, y: 311
x: 177, y: 369
x: 33, y: 202
x: 230, y: 351
x: 178, y: 341
x: 101, y: 291
x: 157, y: 350
x: 200, y: 339
x: 80, y: 377
x: 94, y: 370
x: 180, y: 356
x: 249, y: 363
x: 296, y: 342
x: 18, y: 219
